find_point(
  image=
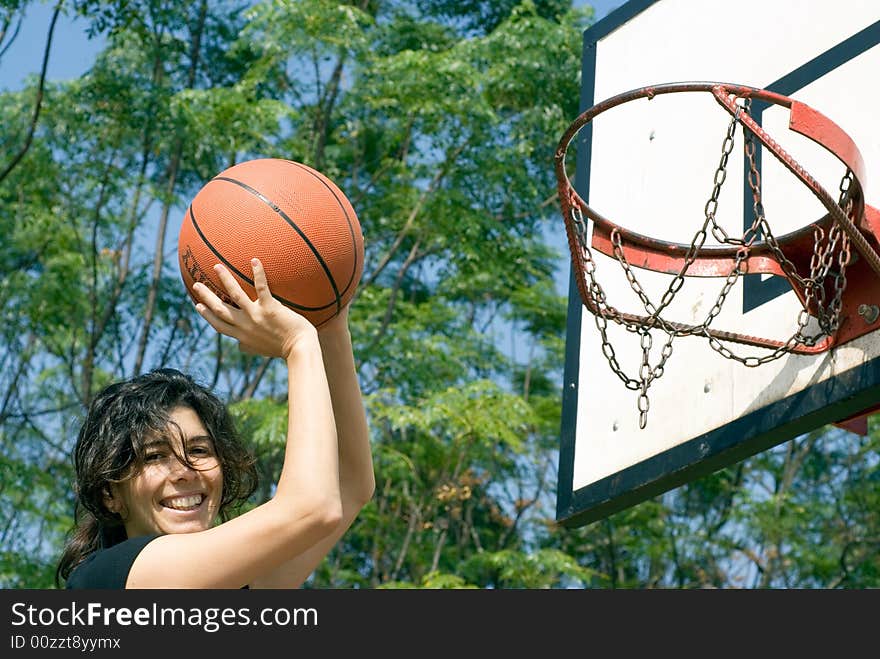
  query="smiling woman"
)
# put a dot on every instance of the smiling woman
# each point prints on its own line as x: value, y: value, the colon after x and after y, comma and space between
x: 160, y: 468
x: 178, y: 488
x: 148, y: 445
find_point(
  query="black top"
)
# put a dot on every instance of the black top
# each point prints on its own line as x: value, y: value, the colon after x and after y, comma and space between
x: 108, y: 568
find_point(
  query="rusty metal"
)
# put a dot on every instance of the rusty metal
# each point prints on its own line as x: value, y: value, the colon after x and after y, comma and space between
x: 662, y: 256
x: 718, y: 261
x: 822, y: 249
x: 858, y: 423
x: 870, y: 312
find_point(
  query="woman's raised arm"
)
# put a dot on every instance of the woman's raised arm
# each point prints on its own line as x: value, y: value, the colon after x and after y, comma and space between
x: 307, y: 506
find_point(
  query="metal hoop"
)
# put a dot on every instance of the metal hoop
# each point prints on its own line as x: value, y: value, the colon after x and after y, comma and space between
x: 820, y: 248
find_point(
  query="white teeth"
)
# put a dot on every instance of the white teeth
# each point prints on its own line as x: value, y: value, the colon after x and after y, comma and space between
x: 184, y: 503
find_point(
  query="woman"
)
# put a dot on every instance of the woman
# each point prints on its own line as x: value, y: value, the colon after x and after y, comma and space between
x: 155, y: 489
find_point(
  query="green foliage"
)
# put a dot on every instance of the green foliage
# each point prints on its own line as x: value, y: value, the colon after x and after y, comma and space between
x: 545, y: 568
x: 483, y: 16
x: 432, y: 581
x: 469, y: 413
x: 263, y: 422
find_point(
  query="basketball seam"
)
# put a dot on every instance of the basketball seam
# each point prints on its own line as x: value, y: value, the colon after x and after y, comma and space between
x: 347, y: 218
x: 287, y: 303
x: 259, y: 195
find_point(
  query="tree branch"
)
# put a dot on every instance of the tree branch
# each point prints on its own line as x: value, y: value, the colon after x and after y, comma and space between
x: 410, y: 220
x: 251, y: 388
x: 389, y: 310
x: 14, y: 34
x: 324, y: 109
x: 39, y: 101
x: 173, y: 167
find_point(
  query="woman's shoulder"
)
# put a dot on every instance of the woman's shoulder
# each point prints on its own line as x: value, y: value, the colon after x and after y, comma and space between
x: 108, y: 568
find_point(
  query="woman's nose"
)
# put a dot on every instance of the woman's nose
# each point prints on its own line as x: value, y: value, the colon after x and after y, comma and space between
x: 180, y: 470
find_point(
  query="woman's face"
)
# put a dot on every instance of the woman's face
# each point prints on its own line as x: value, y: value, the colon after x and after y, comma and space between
x: 168, y: 496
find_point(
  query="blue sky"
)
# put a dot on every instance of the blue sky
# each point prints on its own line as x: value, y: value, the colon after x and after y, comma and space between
x: 73, y: 52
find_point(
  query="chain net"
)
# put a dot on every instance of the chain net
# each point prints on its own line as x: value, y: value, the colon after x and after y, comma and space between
x: 823, y: 286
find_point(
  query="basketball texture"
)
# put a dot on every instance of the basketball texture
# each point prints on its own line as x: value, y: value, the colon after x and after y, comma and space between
x: 288, y: 215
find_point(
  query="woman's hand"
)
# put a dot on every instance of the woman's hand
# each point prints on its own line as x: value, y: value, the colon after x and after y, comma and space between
x: 339, y: 323
x: 263, y: 326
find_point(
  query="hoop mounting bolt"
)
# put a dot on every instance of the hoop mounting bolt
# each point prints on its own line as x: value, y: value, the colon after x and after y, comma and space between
x: 870, y: 312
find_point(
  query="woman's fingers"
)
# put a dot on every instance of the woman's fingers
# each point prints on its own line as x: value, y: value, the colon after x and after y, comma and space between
x: 227, y: 313
x: 233, y: 288
x: 214, y: 304
x: 262, y: 326
x: 261, y: 284
x: 214, y: 320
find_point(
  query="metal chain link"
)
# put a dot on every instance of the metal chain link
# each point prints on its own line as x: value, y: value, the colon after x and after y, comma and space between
x: 822, y: 263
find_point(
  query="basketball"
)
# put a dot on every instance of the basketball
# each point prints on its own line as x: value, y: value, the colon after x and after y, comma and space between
x: 291, y: 217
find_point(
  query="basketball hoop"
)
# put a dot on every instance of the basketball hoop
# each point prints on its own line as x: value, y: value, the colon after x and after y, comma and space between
x: 830, y: 263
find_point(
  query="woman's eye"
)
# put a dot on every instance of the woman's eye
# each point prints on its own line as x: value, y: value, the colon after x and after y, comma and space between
x: 152, y: 457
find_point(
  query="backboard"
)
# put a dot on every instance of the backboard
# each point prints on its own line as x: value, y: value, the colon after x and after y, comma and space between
x: 650, y: 166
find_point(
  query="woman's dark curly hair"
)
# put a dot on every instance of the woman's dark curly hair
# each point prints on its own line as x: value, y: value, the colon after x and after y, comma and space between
x: 110, y: 449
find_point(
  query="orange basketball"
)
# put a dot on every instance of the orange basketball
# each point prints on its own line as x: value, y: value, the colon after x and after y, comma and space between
x: 291, y: 217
